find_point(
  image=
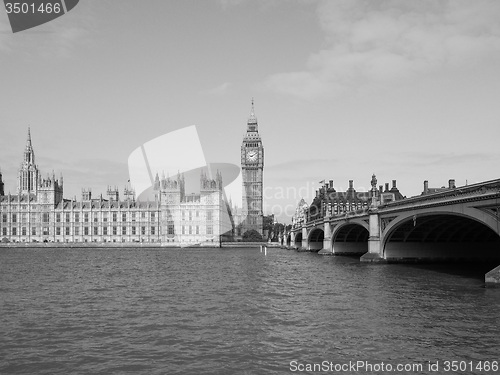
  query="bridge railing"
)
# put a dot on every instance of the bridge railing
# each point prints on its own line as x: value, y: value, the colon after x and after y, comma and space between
x: 341, y: 216
x: 481, y: 187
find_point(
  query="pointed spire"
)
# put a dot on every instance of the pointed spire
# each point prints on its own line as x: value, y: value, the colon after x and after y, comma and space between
x: 252, y: 120
x: 29, y: 155
x: 219, y: 178
x: 28, y: 142
x: 156, y: 185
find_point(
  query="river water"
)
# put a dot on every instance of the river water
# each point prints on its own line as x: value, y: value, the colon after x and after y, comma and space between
x: 239, y: 311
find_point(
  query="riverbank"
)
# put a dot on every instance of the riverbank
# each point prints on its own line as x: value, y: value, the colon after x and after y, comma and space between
x: 130, y: 245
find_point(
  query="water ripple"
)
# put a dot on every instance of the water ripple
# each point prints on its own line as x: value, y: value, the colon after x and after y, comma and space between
x: 231, y: 312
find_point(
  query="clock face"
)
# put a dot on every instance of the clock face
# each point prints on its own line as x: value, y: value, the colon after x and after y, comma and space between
x: 252, y: 155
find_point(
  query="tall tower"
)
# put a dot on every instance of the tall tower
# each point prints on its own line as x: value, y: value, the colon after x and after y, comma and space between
x: 28, y: 180
x: 1, y: 185
x: 252, y: 169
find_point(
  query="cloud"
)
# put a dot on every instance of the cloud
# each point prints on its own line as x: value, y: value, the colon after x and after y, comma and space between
x: 415, y: 159
x: 370, y: 42
x: 287, y: 166
x: 229, y: 3
x: 67, y: 39
x: 219, y: 90
x: 299, y: 172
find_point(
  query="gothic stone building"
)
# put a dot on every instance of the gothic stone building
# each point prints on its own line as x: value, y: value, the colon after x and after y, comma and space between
x: 329, y: 202
x: 39, y: 213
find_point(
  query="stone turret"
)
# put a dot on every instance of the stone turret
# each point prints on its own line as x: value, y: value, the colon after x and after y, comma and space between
x: 86, y: 195
x: 50, y: 190
x: 210, y: 185
x: 172, y: 189
x: 129, y: 194
x: 113, y: 194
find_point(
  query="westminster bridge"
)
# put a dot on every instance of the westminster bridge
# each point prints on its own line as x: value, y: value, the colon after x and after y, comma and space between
x: 458, y: 224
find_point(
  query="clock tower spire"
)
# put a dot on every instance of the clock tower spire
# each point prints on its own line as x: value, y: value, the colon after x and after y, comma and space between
x: 252, y: 169
x: 252, y: 125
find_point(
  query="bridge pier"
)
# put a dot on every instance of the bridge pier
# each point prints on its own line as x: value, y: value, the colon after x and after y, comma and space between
x: 374, y: 253
x: 305, y: 241
x: 492, y: 278
x: 327, y: 240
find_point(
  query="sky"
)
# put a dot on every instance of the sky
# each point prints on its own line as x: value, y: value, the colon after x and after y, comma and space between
x: 343, y: 89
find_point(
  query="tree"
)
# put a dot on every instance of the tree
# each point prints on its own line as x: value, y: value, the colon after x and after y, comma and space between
x: 278, y: 228
x: 251, y: 236
x: 267, y: 226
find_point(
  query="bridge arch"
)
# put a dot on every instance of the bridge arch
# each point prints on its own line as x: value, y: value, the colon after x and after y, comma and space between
x: 480, y: 214
x: 350, y: 238
x: 315, y: 239
x: 442, y: 235
x: 298, y: 239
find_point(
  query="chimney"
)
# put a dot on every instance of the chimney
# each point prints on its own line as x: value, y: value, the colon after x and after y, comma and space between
x: 426, y: 187
x: 451, y: 184
x: 394, y: 184
x: 380, y: 189
x: 350, y: 184
x: 386, y: 186
x: 331, y: 184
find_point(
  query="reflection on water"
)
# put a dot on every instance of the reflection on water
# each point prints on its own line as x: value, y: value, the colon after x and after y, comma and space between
x: 233, y: 311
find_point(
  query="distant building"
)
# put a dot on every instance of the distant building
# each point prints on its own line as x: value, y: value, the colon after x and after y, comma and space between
x: 39, y: 213
x: 238, y: 220
x: 428, y: 190
x: 329, y: 202
x: 300, y: 214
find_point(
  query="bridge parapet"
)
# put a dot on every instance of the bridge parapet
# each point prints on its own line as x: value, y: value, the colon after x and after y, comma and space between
x: 486, y: 188
x: 348, y: 215
x: 314, y: 223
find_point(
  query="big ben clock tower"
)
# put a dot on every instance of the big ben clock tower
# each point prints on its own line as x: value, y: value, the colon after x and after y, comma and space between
x: 252, y: 168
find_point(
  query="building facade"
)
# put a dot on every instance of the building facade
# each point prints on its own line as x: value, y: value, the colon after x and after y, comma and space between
x: 252, y: 169
x: 39, y: 213
x: 329, y: 202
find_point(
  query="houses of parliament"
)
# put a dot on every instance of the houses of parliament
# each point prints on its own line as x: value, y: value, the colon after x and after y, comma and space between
x: 38, y: 212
